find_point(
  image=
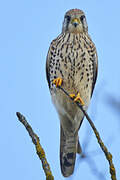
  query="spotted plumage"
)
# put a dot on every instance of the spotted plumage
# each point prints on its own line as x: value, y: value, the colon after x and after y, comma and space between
x: 72, y: 56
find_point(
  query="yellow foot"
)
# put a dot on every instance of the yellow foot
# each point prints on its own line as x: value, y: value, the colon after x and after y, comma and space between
x: 79, y: 99
x: 72, y: 96
x: 58, y: 82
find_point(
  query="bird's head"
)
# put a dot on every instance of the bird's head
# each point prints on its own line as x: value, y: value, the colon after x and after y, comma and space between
x: 74, y: 22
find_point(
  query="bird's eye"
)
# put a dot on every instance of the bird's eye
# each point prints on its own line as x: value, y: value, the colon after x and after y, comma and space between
x: 68, y: 18
x: 82, y: 17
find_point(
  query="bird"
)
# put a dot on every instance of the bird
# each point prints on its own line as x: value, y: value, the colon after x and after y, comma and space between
x: 71, y: 63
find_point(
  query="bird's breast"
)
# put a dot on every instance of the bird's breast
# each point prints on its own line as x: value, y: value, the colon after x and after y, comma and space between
x: 71, y: 60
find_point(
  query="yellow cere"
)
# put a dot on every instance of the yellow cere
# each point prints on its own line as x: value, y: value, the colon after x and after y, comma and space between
x: 75, y: 20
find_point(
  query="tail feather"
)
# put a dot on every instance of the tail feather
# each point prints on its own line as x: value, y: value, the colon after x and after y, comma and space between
x: 68, y: 148
x: 79, y: 149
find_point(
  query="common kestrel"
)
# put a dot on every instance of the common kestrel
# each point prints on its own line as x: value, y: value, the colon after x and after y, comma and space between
x: 72, y: 64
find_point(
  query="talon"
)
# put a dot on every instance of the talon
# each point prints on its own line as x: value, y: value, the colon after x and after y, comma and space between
x: 79, y: 99
x: 58, y: 82
x: 72, y: 96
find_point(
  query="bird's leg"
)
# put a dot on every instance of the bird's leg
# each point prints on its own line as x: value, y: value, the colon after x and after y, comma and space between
x: 58, y: 82
x: 77, y: 98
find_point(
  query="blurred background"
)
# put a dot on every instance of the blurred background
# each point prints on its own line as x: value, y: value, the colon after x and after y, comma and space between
x: 26, y: 30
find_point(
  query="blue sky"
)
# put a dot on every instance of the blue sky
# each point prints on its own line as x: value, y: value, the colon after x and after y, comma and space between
x: 26, y: 30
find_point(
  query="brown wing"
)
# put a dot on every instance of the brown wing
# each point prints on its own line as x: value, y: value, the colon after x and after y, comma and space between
x: 48, y: 68
x: 51, y: 55
x: 95, y: 70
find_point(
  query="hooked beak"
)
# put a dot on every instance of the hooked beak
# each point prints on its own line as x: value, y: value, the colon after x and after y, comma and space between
x: 75, y: 22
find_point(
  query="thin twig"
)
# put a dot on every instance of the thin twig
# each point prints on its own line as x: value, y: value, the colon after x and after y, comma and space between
x: 39, y: 150
x: 103, y: 147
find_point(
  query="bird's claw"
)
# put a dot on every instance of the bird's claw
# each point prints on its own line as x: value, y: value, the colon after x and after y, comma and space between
x: 72, y: 96
x: 58, y: 82
x: 77, y: 98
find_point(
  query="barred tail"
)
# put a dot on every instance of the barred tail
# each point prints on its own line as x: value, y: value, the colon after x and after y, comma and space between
x: 68, y: 148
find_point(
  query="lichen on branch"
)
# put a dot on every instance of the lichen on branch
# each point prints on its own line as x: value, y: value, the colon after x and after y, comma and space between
x: 39, y: 150
x: 41, y: 154
x: 103, y: 147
